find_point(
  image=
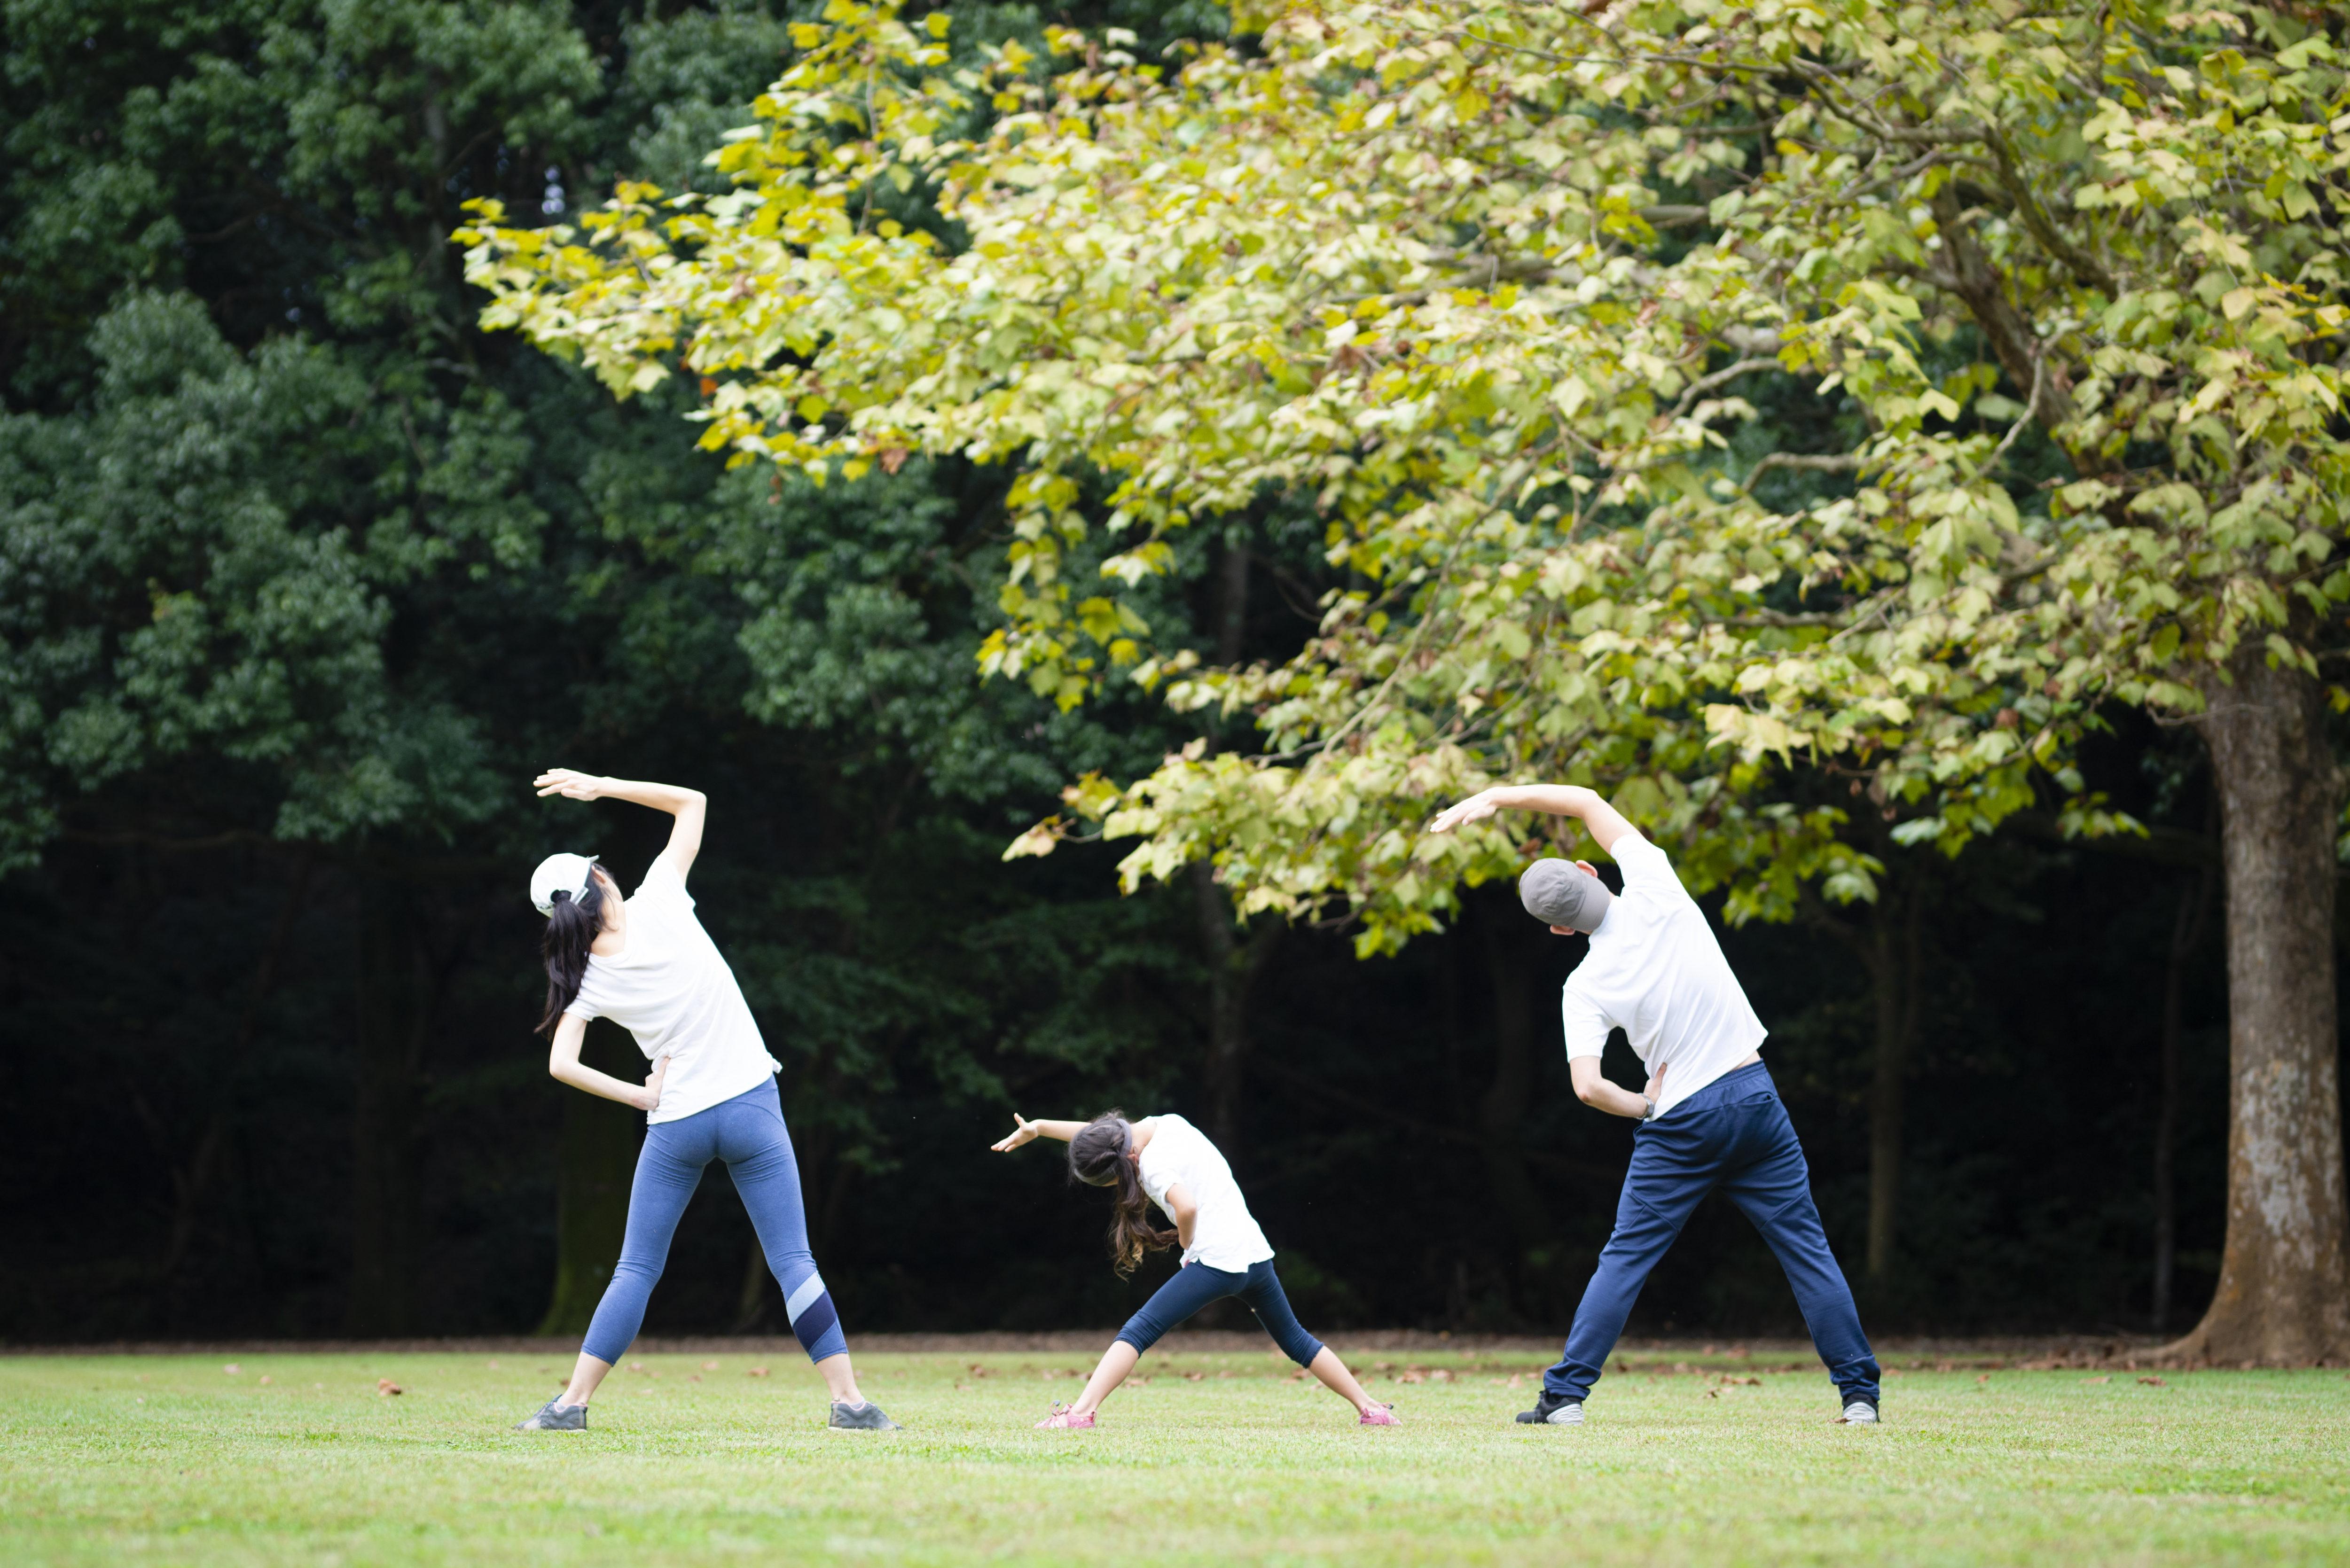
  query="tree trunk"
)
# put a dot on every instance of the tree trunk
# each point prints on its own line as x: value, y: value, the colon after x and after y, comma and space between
x: 1509, y: 941
x: 1893, y: 935
x: 597, y: 1163
x: 1232, y: 968
x: 2186, y: 936
x: 386, y: 1227
x: 2284, y: 1289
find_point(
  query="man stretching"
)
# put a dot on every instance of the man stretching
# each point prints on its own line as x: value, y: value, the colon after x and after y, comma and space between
x: 1655, y: 972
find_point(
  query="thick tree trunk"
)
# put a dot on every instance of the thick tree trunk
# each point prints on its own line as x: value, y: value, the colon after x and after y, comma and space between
x: 387, y: 1223
x: 2186, y: 936
x: 596, y: 1165
x: 2284, y: 1289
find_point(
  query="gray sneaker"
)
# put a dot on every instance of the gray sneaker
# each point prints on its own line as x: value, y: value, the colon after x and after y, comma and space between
x: 1859, y: 1413
x: 865, y: 1417
x: 556, y: 1416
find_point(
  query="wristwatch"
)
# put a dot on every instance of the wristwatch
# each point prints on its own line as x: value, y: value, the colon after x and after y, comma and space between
x: 1652, y: 1108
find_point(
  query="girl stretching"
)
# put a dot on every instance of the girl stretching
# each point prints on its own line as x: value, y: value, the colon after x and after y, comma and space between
x: 1165, y: 1160
x: 647, y: 964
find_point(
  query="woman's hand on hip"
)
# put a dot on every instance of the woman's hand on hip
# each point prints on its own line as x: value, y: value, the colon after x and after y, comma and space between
x: 570, y: 783
x: 1027, y: 1133
x: 649, y: 1098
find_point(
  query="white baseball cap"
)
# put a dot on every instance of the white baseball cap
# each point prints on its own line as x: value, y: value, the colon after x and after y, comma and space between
x: 560, y: 874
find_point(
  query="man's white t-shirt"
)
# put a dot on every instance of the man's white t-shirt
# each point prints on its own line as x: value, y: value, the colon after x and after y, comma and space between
x: 1656, y: 973
x: 1225, y: 1235
x: 670, y: 990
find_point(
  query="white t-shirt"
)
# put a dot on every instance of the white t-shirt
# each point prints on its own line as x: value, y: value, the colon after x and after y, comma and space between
x: 670, y: 990
x: 1224, y: 1236
x: 1656, y: 973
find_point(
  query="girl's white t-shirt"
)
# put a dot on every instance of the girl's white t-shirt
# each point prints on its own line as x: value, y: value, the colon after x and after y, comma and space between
x: 1655, y: 972
x: 1225, y: 1235
x: 672, y: 990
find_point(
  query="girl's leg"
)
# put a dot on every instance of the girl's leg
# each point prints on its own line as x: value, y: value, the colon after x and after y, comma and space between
x: 757, y: 1149
x: 1193, y: 1287
x: 1270, y: 1303
x: 666, y: 1174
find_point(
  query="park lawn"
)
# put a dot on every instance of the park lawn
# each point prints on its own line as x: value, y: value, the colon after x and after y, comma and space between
x: 122, y: 1460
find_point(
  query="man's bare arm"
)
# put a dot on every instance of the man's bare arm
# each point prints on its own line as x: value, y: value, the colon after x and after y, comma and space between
x: 1602, y: 821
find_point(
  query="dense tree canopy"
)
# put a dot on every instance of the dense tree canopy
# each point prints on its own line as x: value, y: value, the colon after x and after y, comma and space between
x: 302, y: 574
x: 1413, y: 261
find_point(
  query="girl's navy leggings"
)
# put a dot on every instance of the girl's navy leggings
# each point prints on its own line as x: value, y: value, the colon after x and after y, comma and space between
x: 1196, y: 1284
x: 747, y: 1133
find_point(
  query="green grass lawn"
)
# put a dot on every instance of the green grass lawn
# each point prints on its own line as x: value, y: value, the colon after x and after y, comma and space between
x: 298, y: 1459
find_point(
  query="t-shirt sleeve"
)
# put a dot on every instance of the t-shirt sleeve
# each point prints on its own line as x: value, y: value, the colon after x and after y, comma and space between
x: 1587, y: 1026
x: 581, y: 1007
x: 1646, y: 868
x: 662, y: 885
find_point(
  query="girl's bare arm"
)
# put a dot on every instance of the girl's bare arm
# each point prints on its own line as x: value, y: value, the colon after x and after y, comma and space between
x: 688, y: 805
x: 1029, y: 1131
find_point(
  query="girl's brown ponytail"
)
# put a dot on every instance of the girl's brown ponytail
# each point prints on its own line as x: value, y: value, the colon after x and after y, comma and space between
x: 1099, y: 1156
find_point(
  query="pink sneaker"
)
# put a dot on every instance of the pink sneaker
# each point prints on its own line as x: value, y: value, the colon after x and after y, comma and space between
x: 1065, y: 1418
x: 1381, y: 1415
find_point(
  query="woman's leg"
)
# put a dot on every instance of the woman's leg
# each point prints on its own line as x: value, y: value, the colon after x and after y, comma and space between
x: 667, y: 1173
x: 1193, y: 1287
x: 757, y: 1149
x: 1266, y: 1298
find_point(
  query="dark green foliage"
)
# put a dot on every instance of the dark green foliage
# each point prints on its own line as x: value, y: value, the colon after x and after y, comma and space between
x: 301, y: 579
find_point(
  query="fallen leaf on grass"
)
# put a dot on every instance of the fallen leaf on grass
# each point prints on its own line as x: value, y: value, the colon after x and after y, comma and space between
x: 385, y: 1388
x: 2153, y: 1382
x: 266, y: 1380
x: 232, y: 1369
x: 2108, y: 1377
x: 1194, y: 1377
x: 756, y: 1371
x: 978, y: 1371
x: 710, y: 1366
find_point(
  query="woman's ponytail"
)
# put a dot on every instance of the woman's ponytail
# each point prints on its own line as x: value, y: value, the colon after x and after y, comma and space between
x: 571, y: 929
x: 1101, y: 1155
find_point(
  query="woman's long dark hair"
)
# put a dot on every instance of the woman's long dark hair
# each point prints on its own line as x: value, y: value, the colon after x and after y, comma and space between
x: 570, y: 929
x: 1098, y: 1156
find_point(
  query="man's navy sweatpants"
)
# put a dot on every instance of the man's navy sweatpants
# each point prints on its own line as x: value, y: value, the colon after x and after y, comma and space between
x: 1733, y: 1134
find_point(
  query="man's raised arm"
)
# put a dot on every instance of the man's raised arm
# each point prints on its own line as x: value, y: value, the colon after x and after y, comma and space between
x: 1603, y: 822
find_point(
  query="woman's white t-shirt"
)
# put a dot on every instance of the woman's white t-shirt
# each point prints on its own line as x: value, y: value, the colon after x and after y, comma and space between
x: 670, y: 990
x: 1224, y: 1235
x: 1656, y: 973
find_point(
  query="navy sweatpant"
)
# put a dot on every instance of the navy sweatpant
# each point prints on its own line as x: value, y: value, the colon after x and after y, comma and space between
x: 1733, y: 1134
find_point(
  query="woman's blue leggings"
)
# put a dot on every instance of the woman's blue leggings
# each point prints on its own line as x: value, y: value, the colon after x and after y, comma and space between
x: 1196, y: 1284
x: 747, y: 1133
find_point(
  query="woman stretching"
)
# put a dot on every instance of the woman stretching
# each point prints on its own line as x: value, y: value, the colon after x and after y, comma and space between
x: 647, y: 964
x: 1165, y: 1160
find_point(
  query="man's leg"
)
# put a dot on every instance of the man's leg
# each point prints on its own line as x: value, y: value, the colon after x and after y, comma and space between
x: 1672, y: 1168
x: 1775, y: 1193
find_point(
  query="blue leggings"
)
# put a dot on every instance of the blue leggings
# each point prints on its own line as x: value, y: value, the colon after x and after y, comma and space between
x: 747, y: 1133
x: 1733, y: 1134
x: 1196, y: 1284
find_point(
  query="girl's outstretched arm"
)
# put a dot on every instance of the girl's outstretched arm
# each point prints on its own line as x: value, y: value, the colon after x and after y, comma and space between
x: 1029, y: 1132
x: 688, y: 805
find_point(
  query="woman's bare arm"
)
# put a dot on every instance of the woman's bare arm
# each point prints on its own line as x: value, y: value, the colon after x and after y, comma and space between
x: 563, y: 1064
x: 1602, y: 821
x: 688, y: 805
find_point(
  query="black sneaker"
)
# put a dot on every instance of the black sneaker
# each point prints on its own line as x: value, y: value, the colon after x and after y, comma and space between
x: 865, y: 1417
x: 1553, y: 1411
x: 556, y: 1416
x: 1858, y: 1413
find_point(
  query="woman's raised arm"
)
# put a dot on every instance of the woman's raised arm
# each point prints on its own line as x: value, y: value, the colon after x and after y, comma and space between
x: 688, y: 805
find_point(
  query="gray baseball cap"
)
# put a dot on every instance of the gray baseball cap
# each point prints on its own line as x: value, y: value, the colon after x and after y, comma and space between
x: 1561, y: 893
